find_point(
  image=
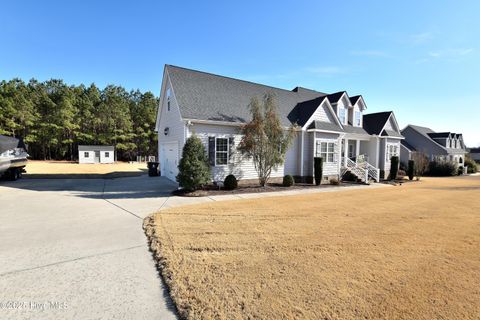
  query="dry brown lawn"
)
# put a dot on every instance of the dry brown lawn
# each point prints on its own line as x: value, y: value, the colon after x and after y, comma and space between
x: 62, y: 169
x: 406, y: 252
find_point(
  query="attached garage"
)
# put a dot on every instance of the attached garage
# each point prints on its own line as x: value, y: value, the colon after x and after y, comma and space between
x: 169, y: 160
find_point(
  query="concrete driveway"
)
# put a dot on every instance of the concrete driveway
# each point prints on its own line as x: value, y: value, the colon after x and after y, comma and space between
x: 76, y: 249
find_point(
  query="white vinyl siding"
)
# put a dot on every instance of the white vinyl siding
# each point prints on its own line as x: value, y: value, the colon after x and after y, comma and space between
x: 322, y: 113
x: 171, y: 120
x: 239, y: 166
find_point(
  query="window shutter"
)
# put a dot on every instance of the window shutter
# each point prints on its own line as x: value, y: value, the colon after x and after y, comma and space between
x: 231, y: 149
x: 211, y: 150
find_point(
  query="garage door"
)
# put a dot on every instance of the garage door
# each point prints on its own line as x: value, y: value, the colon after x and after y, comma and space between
x: 169, y: 160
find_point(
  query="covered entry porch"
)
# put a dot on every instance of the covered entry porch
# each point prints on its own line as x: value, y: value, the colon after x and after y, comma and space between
x: 359, y: 154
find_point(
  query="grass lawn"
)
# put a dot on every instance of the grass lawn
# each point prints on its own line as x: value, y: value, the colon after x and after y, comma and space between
x: 405, y: 252
x: 67, y: 169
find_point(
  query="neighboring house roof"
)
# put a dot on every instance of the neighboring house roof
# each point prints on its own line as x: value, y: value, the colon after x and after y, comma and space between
x: 326, y: 126
x: 97, y: 148
x: 206, y: 96
x: 432, y: 136
x: 407, y: 145
x: 474, y: 150
x: 375, y: 122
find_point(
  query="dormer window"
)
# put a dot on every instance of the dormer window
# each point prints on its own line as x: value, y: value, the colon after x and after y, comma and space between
x: 358, y: 118
x: 342, y: 114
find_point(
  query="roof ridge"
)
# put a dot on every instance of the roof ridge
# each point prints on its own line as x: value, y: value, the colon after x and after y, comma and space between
x: 246, y: 81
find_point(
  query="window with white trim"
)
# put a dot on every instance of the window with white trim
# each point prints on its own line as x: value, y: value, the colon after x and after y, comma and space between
x: 392, y: 150
x: 358, y: 118
x: 342, y: 114
x: 168, y: 99
x: 221, y: 151
x: 326, y: 150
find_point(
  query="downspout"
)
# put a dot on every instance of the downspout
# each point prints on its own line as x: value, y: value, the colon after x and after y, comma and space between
x: 301, y: 154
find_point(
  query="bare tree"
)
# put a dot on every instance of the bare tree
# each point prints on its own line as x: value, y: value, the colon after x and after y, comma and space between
x: 421, y: 163
x: 264, y: 138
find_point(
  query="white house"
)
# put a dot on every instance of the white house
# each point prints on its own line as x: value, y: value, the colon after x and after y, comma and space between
x: 331, y: 126
x: 96, y: 154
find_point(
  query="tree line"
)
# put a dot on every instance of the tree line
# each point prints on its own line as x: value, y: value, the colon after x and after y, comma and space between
x: 53, y: 118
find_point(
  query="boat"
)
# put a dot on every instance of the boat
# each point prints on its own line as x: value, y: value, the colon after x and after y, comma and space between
x: 13, y: 157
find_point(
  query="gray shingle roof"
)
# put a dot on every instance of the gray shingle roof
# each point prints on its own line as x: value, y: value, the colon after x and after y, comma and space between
x: 407, y: 145
x: 205, y: 96
x: 373, y: 123
x: 327, y: 126
x: 355, y: 130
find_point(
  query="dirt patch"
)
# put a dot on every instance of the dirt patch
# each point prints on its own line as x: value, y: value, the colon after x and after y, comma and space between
x: 409, y: 252
x: 73, y: 170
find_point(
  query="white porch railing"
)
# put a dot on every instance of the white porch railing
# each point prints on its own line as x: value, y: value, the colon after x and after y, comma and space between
x: 361, y: 168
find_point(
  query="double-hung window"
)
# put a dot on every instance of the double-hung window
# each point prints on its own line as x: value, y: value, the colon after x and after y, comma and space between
x: 392, y: 150
x: 342, y: 115
x: 358, y: 118
x: 221, y: 151
x: 326, y: 150
x: 86, y: 154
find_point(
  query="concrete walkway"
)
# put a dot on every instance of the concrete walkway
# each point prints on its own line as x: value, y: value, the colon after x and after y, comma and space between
x: 75, y: 248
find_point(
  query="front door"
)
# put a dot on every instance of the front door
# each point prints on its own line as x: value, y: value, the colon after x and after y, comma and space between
x: 351, y: 150
x: 97, y: 157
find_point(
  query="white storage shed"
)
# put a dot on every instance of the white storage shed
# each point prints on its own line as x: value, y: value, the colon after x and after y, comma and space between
x: 96, y: 154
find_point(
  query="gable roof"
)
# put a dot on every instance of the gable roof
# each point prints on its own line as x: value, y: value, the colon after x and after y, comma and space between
x: 374, y: 123
x: 354, y: 99
x: 304, y: 110
x: 206, y: 96
x: 334, y: 97
x: 434, y: 135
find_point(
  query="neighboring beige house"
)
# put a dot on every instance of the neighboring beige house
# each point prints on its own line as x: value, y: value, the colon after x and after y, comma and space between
x: 331, y: 126
x: 96, y: 154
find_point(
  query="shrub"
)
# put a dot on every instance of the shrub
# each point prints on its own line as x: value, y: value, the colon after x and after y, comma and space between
x: 401, y: 174
x: 460, y: 171
x: 471, y: 165
x: 382, y: 174
x: 334, y: 182
x: 288, y: 181
x: 393, y: 167
x: 318, y: 170
x: 411, y: 169
x: 193, y: 170
x: 442, y: 169
x: 349, y: 176
x: 230, y: 182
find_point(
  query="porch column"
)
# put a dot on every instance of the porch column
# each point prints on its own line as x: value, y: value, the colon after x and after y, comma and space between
x: 345, y: 152
x: 357, y: 149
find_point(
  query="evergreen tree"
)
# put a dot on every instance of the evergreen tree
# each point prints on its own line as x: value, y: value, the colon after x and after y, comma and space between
x: 194, y: 169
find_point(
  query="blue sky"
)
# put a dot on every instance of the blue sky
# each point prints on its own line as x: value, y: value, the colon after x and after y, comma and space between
x: 418, y: 58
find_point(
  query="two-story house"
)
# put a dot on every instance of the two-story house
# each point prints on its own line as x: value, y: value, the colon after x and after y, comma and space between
x: 443, y: 146
x: 331, y: 126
